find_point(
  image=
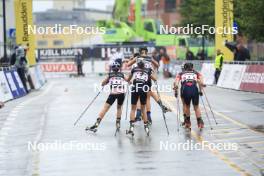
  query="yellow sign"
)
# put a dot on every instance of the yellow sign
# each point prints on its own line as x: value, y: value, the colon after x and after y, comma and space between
x: 224, y: 19
x: 24, y: 18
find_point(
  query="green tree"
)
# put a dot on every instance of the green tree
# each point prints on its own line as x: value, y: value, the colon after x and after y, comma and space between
x: 250, y: 18
x: 198, y: 13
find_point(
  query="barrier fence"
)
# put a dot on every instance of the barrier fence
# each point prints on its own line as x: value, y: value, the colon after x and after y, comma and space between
x: 11, y: 86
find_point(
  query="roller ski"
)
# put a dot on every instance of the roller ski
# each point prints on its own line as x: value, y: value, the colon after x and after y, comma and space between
x: 94, y: 127
x: 146, y: 127
x: 131, y: 129
x: 118, y: 125
x: 200, y: 123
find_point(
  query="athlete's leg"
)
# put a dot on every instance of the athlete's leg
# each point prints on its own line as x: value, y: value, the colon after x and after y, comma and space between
x: 104, y: 110
x: 197, y: 109
x: 120, y: 101
x: 138, y: 113
x: 134, y: 101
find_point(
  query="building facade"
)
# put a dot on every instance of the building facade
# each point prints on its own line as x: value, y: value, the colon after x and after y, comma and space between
x: 166, y: 10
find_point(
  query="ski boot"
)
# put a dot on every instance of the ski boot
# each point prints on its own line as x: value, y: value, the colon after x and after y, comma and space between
x: 146, y: 127
x: 200, y: 123
x: 184, y: 117
x: 118, y: 125
x: 187, y: 123
x: 94, y: 127
x: 138, y: 115
x: 131, y: 129
x: 149, y: 118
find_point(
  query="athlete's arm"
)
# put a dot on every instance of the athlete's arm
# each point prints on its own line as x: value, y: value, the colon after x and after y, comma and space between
x: 131, y: 62
x: 153, y: 77
x: 105, y: 81
x: 155, y: 63
x: 200, y: 82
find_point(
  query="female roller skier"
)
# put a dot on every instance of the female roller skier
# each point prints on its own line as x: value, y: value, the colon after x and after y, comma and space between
x: 189, y: 78
x: 117, y: 81
x: 140, y: 88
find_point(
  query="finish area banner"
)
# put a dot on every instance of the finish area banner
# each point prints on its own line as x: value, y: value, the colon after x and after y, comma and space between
x: 24, y: 18
x: 253, y: 79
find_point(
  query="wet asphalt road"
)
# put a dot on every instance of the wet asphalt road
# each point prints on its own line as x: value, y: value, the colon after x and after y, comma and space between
x: 47, y: 116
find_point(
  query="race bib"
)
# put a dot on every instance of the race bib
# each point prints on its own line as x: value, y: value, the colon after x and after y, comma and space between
x: 141, y: 76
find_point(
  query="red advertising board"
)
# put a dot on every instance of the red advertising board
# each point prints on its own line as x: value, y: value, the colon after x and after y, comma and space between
x: 253, y: 79
x: 58, y: 67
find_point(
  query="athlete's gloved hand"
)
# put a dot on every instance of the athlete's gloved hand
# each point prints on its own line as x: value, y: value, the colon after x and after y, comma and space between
x: 201, y: 93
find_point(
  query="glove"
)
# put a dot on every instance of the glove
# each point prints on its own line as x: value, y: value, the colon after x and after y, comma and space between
x: 201, y: 93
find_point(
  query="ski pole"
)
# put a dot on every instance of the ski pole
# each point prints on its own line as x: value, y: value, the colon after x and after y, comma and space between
x: 210, y: 107
x: 206, y: 114
x: 88, y: 107
x: 127, y: 101
x: 178, y: 114
x: 163, y: 114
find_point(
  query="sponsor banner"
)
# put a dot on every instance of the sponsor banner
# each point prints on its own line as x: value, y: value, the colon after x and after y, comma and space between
x: 24, y: 18
x: 5, y: 92
x: 231, y: 76
x: 253, y: 79
x: 59, y: 53
x: 208, y: 71
x: 66, y: 67
x: 12, y: 84
x: 20, y: 88
x: 224, y: 19
x: 34, y: 78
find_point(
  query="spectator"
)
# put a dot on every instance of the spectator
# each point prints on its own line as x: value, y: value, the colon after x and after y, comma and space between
x: 21, y: 65
x: 219, y: 59
x: 200, y: 55
x: 189, y: 55
x: 241, y: 53
x: 166, y: 63
x: 79, y: 63
x: 156, y: 56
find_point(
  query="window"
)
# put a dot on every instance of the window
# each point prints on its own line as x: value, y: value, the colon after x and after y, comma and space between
x: 58, y: 42
x: 170, y: 6
x: 148, y: 26
x: 41, y: 43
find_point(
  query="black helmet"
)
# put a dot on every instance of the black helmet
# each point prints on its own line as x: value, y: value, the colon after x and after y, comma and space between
x: 140, y: 62
x: 115, y: 66
x: 143, y: 49
x: 188, y: 66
